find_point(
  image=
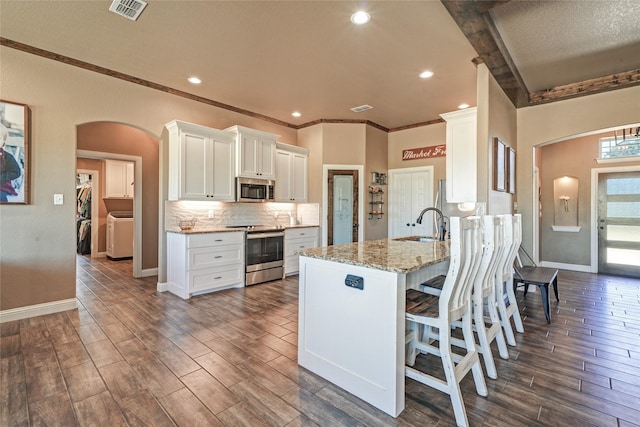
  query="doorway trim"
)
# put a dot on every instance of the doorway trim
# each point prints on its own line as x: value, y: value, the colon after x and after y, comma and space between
x: 325, y: 199
x: 137, y: 201
x: 95, y: 183
x: 595, y: 175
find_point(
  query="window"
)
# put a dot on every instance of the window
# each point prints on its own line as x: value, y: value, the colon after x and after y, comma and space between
x: 625, y: 146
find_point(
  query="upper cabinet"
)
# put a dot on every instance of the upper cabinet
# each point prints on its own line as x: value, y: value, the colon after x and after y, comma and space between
x: 462, y: 145
x: 119, y: 179
x: 201, y: 163
x: 255, y: 152
x: 291, y: 174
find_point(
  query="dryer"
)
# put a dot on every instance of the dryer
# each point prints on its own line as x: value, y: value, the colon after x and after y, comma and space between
x: 120, y: 234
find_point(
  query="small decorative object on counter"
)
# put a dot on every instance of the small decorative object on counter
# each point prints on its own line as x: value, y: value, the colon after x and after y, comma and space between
x: 187, y: 224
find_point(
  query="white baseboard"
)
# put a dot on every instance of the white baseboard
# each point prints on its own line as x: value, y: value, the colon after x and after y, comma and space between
x: 147, y: 272
x: 37, y: 310
x: 162, y: 287
x: 562, y: 266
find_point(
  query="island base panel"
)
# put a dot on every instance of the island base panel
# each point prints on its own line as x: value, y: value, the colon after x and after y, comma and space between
x: 354, y: 337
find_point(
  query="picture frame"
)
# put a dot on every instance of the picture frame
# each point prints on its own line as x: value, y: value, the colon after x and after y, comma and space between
x: 499, y: 165
x: 511, y: 170
x: 15, y: 147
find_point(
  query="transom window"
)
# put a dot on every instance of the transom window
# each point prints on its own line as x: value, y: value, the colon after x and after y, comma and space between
x: 620, y: 146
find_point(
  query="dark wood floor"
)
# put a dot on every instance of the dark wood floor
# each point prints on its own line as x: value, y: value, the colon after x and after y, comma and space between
x: 131, y: 356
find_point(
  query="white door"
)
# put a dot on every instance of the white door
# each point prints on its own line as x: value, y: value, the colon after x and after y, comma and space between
x: 410, y: 191
x: 342, y: 209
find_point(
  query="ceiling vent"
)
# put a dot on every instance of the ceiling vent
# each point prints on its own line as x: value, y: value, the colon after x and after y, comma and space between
x: 130, y: 9
x: 361, y: 108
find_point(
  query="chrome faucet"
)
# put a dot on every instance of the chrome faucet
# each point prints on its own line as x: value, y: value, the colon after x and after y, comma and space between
x: 441, y: 223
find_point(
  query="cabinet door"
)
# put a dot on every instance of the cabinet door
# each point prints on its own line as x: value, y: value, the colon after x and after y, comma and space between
x: 119, y: 179
x: 283, y: 179
x: 248, y: 156
x: 195, y: 167
x: 224, y: 158
x: 266, y: 155
x: 298, y: 177
x: 462, y: 145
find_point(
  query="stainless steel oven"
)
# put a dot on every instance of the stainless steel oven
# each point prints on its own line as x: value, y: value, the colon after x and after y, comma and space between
x: 264, y: 251
x: 254, y: 190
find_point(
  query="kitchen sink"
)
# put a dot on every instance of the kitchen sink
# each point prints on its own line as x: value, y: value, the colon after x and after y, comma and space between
x: 416, y: 239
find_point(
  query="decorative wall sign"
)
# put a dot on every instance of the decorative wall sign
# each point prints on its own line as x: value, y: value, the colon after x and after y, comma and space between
x: 14, y: 153
x: 424, y: 152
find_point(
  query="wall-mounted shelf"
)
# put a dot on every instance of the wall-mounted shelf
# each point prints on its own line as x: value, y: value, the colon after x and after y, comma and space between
x: 376, y: 202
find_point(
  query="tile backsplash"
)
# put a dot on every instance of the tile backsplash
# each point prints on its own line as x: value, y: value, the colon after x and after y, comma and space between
x: 226, y: 214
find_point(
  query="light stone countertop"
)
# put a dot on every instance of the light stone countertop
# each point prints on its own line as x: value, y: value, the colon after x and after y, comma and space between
x: 204, y: 230
x: 384, y: 254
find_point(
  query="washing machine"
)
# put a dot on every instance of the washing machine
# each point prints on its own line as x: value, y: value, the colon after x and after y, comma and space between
x: 120, y: 234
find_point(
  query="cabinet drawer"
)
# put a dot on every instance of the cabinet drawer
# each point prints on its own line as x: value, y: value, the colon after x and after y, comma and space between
x: 214, y: 278
x: 214, y: 256
x: 214, y: 239
x: 290, y: 246
x: 297, y: 233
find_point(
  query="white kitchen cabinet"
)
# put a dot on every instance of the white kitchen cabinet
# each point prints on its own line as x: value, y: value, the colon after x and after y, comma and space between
x: 256, y: 152
x: 204, y: 262
x: 119, y: 179
x: 291, y: 174
x: 201, y: 163
x: 296, y: 239
x: 461, y: 161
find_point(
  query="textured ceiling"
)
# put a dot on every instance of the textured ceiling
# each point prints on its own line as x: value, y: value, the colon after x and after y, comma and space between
x: 560, y: 42
x: 276, y: 57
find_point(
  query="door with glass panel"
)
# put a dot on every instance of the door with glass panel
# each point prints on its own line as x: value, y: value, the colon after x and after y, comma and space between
x: 619, y: 224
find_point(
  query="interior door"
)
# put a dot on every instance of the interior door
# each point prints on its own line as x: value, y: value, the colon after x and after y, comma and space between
x: 619, y: 224
x: 343, y: 207
x: 409, y: 193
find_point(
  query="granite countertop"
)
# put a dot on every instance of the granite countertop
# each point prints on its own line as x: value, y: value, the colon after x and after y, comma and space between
x: 204, y: 230
x: 391, y: 255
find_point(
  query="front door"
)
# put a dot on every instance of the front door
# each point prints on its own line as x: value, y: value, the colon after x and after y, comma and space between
x: 343, y: 206
x: 619, y: 224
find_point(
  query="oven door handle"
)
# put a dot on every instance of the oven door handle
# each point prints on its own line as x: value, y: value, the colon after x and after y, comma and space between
x: 263, y: 235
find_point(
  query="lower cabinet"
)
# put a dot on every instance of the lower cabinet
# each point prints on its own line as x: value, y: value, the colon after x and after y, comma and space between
x: 206, y: 262
x: 296, y: 239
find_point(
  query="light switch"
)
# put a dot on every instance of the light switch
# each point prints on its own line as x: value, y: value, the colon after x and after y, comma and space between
x: 210, y: 213
x: 58, y: 199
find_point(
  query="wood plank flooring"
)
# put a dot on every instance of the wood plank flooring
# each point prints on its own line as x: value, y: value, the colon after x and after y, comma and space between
x: 129, y: 356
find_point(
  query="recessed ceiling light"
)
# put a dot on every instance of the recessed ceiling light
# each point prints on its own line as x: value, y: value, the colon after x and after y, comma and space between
x: 360, y: 17
x: 194, y: 80
x: 296, y: 114
x: 463, y: 106
x: 426, y: 74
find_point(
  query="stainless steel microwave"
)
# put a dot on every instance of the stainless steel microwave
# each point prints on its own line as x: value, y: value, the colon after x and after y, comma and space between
x: 254, y: 190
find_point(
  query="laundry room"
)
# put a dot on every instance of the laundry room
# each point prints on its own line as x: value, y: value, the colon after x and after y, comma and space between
x: 104, y: 214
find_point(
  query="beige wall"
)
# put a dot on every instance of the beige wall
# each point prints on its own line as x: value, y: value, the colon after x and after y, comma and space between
x: 424, y: 136
x: 376, y: 161
x: 39, y: 264
x: 558, y: 121
x: 574, y: 157
x: 496, y: 119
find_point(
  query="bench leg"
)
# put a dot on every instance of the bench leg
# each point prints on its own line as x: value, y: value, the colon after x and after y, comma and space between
x: 555, y: 287
x: 544, y: 290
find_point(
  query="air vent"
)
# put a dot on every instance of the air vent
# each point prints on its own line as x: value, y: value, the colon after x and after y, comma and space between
x: 130, y: 9
x: 361, y: 108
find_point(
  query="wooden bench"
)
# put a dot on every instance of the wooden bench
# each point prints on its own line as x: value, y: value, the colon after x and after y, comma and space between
x: 539, y: 276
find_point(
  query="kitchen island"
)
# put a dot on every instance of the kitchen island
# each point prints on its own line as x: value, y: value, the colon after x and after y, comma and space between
x: 351, y: 313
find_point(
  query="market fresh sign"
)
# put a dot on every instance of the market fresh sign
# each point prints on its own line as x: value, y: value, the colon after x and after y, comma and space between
x: 424, y: 152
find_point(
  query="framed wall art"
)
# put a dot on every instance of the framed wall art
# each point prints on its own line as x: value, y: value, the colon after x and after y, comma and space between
x: 499, y: 165
x: 511, y: 170
x: 14, y: 153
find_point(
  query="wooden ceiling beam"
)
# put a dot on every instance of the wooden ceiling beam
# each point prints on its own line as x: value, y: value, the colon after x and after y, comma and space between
x: 476, y: 24
x: 586, y: 87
